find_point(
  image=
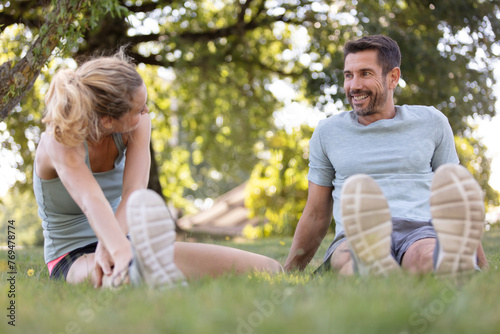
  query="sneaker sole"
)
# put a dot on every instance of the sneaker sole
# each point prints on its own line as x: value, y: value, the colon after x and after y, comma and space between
x: 152, y: 232
x: 457, y: 210
x: 368, y: 225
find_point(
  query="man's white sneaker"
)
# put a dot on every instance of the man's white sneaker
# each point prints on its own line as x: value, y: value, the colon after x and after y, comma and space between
x: 368, y: 225
x: 152, y: 232
x: 457, y: 210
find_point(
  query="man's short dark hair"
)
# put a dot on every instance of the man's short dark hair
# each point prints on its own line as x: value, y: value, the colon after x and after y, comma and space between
x: 389, y: 55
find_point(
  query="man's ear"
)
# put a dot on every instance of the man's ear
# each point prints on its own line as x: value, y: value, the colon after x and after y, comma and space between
x: 107, y: 122
x: 393, y: 76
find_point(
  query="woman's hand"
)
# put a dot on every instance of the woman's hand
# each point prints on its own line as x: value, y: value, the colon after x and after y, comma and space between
x: 106, y: 264
x: 103, y: 263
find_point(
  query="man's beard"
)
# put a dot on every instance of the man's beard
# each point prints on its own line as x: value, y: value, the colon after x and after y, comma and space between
x: 377, y: 100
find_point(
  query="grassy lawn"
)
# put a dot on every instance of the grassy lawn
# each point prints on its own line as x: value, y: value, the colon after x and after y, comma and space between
x: 296, y: 303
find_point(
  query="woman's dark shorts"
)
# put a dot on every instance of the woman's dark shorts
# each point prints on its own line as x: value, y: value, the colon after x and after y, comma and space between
x: 60, y: 270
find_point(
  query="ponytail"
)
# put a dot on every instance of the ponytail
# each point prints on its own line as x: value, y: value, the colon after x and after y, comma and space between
x: 69, y: 108
x: 76, y: 100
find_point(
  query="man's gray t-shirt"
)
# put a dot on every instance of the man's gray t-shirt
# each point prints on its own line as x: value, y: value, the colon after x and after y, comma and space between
x: 401, y: 154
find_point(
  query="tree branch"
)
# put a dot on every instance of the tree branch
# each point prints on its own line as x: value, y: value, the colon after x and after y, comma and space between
x: 147, y: 6
x: 150, y: 60
x: 16, y: 81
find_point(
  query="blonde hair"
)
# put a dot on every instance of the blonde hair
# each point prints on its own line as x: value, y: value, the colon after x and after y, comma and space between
x: 77, y: 99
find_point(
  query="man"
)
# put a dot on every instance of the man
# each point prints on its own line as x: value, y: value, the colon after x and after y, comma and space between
x: 374, y: 165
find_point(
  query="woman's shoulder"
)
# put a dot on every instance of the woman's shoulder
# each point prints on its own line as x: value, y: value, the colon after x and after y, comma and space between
x: 43, y: 161
x: 49, y: 143
x: 54, y: 152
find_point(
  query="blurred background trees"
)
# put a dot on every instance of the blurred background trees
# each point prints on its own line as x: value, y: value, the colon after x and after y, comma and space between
x: 222, y: 76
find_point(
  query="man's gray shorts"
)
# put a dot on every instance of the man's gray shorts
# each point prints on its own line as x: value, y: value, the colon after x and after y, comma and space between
x: 405, y: 232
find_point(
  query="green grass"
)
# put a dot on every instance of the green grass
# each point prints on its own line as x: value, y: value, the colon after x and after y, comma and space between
x: 295, y: 303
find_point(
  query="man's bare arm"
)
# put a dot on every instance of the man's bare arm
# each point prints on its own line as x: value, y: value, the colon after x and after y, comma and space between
x: 312, y: 227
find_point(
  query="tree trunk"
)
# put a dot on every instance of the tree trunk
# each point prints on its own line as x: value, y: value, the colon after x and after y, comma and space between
x: 17, y: 80
x: 155, y: 185
x: 154, y: 178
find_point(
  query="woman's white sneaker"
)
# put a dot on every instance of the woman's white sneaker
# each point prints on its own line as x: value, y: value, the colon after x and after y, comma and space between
x: 152, y: 232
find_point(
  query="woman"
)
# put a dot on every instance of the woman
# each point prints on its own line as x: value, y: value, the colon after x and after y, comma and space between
x: 92, y: 158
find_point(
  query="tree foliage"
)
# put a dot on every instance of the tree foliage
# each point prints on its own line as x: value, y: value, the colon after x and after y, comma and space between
x: 209, y: 66
x: 20, y: 207
x: 56, y: 29
x: 277, y: 190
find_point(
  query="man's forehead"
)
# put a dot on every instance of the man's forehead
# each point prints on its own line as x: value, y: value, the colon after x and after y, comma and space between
x: 361, y: 59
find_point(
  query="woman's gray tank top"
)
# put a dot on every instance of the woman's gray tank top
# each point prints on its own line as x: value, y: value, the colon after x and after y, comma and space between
x: 65, y: 226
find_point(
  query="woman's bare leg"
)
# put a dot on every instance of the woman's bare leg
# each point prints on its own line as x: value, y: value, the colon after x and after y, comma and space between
x: 82, y: 270
x: 196, y: 260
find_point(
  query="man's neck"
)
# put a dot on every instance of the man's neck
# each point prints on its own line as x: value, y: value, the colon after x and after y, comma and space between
x: 389, y: 114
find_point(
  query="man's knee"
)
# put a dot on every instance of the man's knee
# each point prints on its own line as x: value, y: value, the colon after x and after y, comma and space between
x: 419, y: 256
x: 341, y: 260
